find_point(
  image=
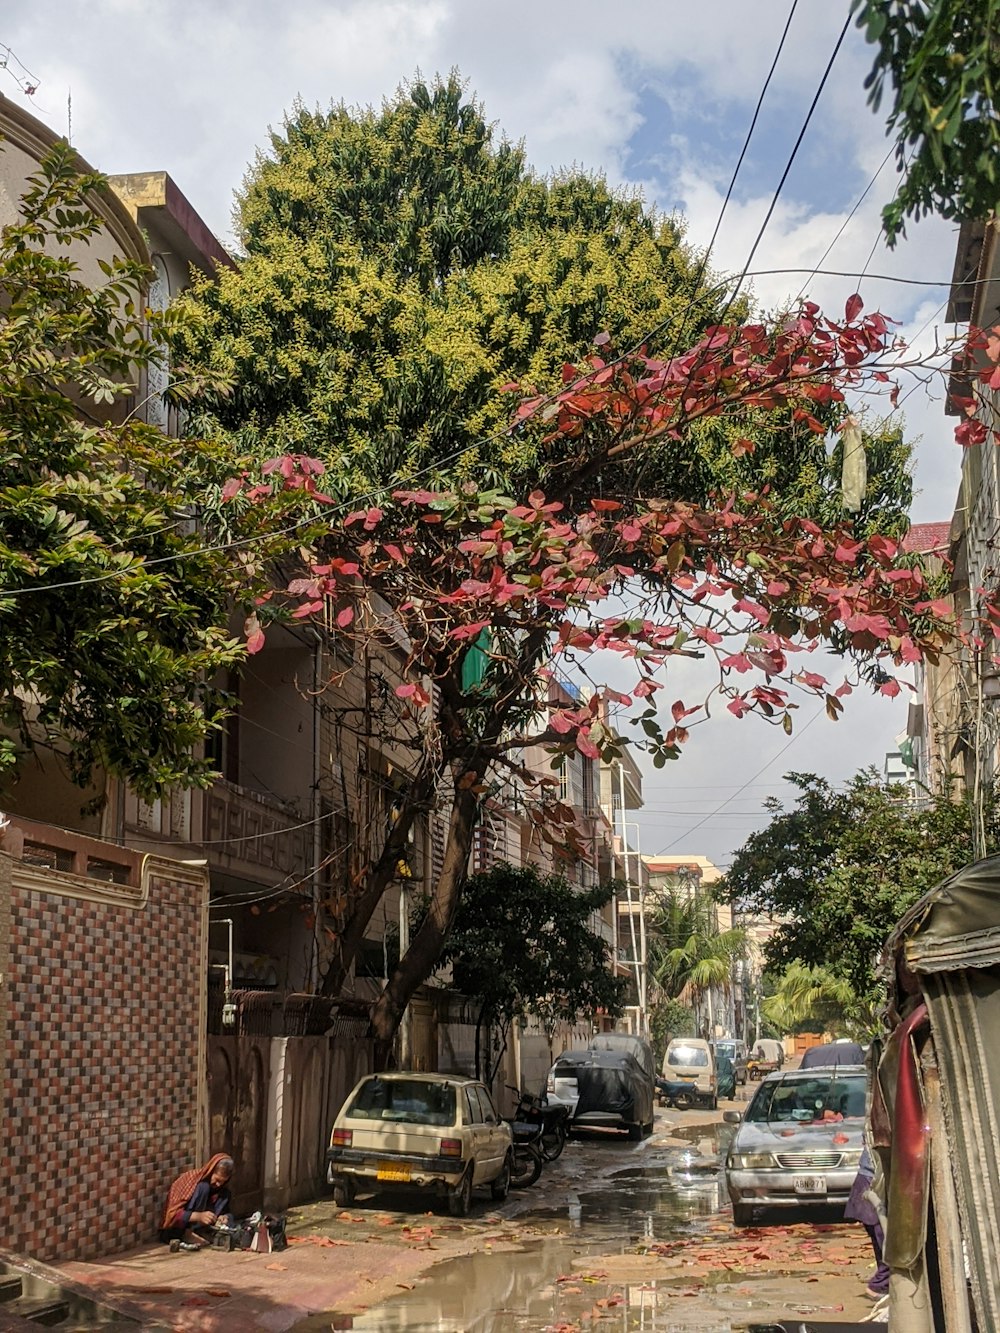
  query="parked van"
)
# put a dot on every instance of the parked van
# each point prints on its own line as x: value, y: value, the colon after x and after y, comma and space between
x: 737, y: 1052
x: 691, y: 1059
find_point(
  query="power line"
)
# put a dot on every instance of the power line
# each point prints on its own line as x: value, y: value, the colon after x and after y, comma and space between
x: 763, y: 769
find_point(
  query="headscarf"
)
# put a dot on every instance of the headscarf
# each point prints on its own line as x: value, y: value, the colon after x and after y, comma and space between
x: 184, y: 1186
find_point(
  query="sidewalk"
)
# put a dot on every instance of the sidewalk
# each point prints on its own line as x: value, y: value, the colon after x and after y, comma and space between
x: 213, y: 1291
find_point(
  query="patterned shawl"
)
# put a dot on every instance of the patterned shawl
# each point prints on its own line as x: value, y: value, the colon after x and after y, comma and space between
x: 184, y: 1186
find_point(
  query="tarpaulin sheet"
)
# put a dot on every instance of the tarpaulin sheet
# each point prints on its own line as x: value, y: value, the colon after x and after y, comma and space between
x: 611, y: 1082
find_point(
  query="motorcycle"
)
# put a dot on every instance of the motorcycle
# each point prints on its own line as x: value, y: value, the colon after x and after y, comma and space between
x: 528, y: 1159
x: 554, y: 1122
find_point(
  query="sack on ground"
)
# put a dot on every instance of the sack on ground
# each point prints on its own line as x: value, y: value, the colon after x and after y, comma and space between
x: 263, y: 1235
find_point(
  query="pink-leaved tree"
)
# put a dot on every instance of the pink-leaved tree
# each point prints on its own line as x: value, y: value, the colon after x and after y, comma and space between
x: 561, y: 578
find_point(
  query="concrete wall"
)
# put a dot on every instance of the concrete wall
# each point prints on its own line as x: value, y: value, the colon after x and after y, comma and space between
x: 102, y: 1026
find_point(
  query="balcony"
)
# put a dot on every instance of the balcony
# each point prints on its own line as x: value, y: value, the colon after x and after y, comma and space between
x: 246, y: 833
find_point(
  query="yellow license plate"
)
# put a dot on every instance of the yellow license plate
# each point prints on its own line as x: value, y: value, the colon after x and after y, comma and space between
x: 394, y: 1171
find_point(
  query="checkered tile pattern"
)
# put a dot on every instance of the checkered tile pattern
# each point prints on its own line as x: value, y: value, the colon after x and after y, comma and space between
x: 101, y: 1092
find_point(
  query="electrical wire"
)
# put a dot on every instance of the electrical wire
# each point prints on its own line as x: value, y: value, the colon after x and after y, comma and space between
x: 763, y: 769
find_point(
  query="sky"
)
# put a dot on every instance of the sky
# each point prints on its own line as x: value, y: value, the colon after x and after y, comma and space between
x: 658, y: 95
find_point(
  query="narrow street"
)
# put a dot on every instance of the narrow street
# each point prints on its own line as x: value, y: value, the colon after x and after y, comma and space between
x: 615, y: 1235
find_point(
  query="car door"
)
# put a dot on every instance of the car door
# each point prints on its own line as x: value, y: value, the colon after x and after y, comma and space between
x: 498, y: 1140
x: 478, y: 1134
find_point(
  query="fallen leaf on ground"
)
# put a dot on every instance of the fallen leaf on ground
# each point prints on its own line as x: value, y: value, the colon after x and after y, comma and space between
x: 277, y: 1268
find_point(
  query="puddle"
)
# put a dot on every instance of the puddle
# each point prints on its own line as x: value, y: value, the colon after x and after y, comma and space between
x: 554, y: 1276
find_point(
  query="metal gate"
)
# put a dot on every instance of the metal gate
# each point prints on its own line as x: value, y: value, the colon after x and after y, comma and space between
x: 238, y: 1080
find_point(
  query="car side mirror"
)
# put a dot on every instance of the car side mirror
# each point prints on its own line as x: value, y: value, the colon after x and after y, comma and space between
x: 732, y: 1117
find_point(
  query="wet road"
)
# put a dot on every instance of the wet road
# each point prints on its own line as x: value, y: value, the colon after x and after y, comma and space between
x: 571, y: 1248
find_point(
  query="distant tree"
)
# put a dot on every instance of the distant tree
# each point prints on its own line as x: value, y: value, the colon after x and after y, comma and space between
x: 812, y: 997
x: 938, y: 68
x: 521, y: 946
x: 843, y: 865
x: 669, y: 1019
x: 113, y: 619
x: 688, y: 953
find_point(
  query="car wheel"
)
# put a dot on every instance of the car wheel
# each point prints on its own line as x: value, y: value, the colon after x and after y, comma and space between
x: 742, y: 1215
x: 460, y: 1198
x: 684, y: 1101
x: 714, y: 1103
x: 635, y: 1133
x: 647, y: 1130
x: 343, y: 1193
x: 500, y: 1187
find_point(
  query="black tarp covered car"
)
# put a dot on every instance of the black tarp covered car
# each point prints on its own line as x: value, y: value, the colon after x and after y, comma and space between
x: 605, y: 1089
x: 833, y: 1053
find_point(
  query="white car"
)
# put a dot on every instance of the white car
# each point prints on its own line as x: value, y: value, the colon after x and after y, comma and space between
x: 432, y: 1132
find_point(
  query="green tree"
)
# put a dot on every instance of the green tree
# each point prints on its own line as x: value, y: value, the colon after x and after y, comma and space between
x: 688, y: 952
x: 938, y: 68
x: 112, y: 619
x: 669, y: 1019
x: 402, y: 266
x: 840, y: 867
x: 808, y: 997
x: 522, y: 946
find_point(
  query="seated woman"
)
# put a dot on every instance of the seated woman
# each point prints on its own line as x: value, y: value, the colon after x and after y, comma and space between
x: 197, y: 1201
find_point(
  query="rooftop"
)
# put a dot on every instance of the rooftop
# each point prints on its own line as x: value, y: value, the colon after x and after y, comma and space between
x: 928, y: 538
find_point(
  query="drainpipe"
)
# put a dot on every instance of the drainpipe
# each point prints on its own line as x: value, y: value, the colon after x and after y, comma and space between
x: 317, y: 811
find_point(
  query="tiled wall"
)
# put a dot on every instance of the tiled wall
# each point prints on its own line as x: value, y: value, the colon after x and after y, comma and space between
x: 102, y: 1029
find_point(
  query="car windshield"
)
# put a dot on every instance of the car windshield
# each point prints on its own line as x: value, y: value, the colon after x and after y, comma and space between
x: 693, y: 1056
x: 410, y: 1101
x: 727, y: 1048
x: 825, y: 1098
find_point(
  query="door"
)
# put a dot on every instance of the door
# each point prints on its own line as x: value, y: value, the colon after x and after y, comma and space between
x: 479, y: 1134
x: 497, y: 1133
x: 238, y: 1074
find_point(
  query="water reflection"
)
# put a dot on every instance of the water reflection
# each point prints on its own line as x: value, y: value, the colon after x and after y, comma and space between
x: 656, y: 1197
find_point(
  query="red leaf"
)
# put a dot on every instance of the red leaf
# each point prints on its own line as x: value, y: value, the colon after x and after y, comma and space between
x: 345, y: 617
x: 853, y: 308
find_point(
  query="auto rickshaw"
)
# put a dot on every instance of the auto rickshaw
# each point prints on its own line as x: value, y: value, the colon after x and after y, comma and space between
x: 935, y: 1113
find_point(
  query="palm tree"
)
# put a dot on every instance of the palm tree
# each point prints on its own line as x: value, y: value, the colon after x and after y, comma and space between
x: 805, y: 993
x: 689, y: 954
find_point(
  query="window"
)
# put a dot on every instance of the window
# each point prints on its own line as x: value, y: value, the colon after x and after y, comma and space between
x: 409, y: 1101
x: 808, y: 1100
x: 474, y: 1110
x: 489, y: 1110
x: 688, y: 1057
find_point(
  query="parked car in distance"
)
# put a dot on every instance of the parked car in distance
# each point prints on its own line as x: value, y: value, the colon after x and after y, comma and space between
x: 832, y: 1053
x: 429, y: 1132
x: 690, y: 1059
x: 799, y: 1142
x: 736, y: 1051
x: 603, y: 1089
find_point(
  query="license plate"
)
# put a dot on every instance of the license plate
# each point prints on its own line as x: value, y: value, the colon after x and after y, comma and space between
x: 809, y: 1184
x: 394, y: 1171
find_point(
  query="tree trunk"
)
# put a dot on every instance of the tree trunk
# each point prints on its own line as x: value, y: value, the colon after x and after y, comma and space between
x: 419, y: 961
x: 382, y: 873
x: 479, y: 1041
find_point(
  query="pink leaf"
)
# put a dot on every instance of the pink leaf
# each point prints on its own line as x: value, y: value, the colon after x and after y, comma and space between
x: 255, y: 641
x: 345, y: 616
x: 586, y: 746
